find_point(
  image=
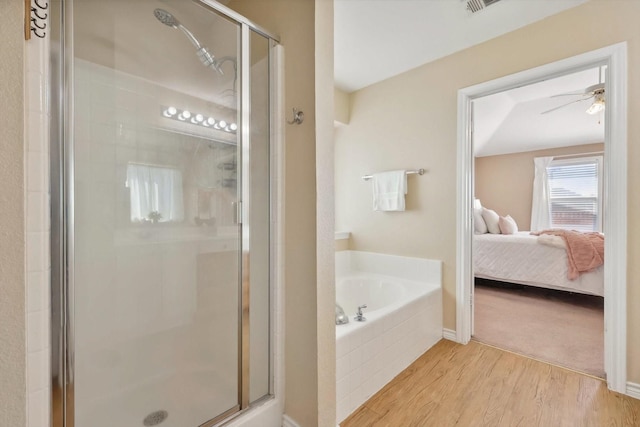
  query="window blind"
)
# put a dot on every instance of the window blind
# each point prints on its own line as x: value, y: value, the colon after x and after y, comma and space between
x: 574, y: 194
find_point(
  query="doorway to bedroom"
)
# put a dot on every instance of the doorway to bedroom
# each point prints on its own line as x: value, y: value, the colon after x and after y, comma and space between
x: 538, y: 247
x: 614, y: 171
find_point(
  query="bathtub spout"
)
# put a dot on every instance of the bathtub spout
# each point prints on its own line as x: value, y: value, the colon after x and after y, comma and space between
x: 359, y: 317
x: 341, y: 318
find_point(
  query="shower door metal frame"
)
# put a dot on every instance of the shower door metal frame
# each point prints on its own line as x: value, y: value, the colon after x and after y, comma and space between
x: 62, y: 211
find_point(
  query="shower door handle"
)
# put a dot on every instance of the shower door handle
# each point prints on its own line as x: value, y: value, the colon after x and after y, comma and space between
x: 237, y: 212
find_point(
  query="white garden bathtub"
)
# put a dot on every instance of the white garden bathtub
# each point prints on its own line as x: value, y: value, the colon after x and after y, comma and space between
x: 404, y: 319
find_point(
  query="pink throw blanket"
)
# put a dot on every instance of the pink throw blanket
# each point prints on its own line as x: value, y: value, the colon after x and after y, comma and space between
x: 585, y: 251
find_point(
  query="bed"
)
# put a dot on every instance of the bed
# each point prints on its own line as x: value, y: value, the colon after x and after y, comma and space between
x: 520, y: 258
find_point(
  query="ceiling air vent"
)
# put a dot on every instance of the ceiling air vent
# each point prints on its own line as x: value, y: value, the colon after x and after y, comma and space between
x: 474, y: 6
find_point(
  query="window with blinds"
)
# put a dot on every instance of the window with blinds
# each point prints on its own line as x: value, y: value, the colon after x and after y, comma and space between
x: 575, y: 194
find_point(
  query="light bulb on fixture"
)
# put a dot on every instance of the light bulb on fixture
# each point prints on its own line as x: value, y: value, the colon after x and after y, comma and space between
x: 170, y: 112
x: 200, y: 119
x: 597, y: 106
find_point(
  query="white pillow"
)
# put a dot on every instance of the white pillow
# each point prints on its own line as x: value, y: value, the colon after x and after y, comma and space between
x: 508, y: 225
x: 478, y: 222
x: 491, y: 218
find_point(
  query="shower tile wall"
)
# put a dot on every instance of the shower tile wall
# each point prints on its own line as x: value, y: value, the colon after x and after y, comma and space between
x: 37, y: 232
x: 142, y: 286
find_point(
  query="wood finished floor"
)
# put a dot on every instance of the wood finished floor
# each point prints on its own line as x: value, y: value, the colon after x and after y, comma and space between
x: 479, y: 385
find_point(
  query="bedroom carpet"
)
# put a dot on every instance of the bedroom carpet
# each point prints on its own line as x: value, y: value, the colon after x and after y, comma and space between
x: 553, y: 326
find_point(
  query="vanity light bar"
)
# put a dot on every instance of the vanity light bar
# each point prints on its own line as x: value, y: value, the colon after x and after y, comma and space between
x: 198, y: 119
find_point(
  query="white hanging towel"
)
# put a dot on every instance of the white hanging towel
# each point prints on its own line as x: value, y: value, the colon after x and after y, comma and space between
x: 389, y: 189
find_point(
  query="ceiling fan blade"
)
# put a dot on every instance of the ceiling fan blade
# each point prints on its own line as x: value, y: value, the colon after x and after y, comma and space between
x: 591, y: 90
x: 569, y: 94
x: 567, y: 104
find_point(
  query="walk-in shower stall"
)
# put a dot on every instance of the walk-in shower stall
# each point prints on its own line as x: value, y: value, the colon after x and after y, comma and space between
x: 162, y: 215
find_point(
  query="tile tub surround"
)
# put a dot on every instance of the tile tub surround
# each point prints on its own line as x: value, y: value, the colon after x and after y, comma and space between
x: 370, y: 354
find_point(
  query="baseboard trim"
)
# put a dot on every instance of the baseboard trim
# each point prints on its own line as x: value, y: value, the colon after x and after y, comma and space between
x: 287, y: 421
x: 449, y: 334
x: 633, y: 390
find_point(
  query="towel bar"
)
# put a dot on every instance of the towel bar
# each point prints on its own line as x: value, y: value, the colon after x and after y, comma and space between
x: 420, y: 171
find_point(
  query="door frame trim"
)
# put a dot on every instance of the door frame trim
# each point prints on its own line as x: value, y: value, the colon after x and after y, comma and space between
x: 615, y: 203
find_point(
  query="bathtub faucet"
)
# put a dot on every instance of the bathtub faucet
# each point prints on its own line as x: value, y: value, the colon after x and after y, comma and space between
x: 359, y: 317
x: 341, y: 318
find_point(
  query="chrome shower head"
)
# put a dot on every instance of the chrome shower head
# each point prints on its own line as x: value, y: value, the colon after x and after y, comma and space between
x: 166, y: 18
x: 206, y: 57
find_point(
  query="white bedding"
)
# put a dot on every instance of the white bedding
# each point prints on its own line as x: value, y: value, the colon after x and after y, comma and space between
x: 519, y: 258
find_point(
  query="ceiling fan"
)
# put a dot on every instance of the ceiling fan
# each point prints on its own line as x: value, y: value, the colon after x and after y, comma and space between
x: 595, y: 92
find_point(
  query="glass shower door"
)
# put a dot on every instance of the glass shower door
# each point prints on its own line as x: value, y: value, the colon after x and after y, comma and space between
x: 155, y: 235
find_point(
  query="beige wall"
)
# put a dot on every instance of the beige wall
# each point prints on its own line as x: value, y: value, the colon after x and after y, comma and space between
x: 342, y: 245
x: 341, y: 106
x: 295, y: 22
x: 421, y: 109
x: 505, y: 183
x: 12, y: 227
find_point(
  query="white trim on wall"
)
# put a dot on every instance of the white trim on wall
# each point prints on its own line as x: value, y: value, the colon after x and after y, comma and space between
x: 615, y: 178
x: 464, y: 219
x: 633, y: 390
x: 278, y: 136
x: 449, y: 334
x: 287, y: 421
x: 615, y: 225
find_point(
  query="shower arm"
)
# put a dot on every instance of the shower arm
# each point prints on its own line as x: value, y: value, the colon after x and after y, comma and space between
x: 203, y: 53
x: 207, y: 59
x: 190, y: 36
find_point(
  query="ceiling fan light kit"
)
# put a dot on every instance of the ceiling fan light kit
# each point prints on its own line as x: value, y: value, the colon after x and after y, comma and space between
x: 595, y: 92
x: 598, y: 104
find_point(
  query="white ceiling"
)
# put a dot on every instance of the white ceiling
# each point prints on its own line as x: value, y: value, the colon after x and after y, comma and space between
x: 378, y: 39
x: 511, y: 121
